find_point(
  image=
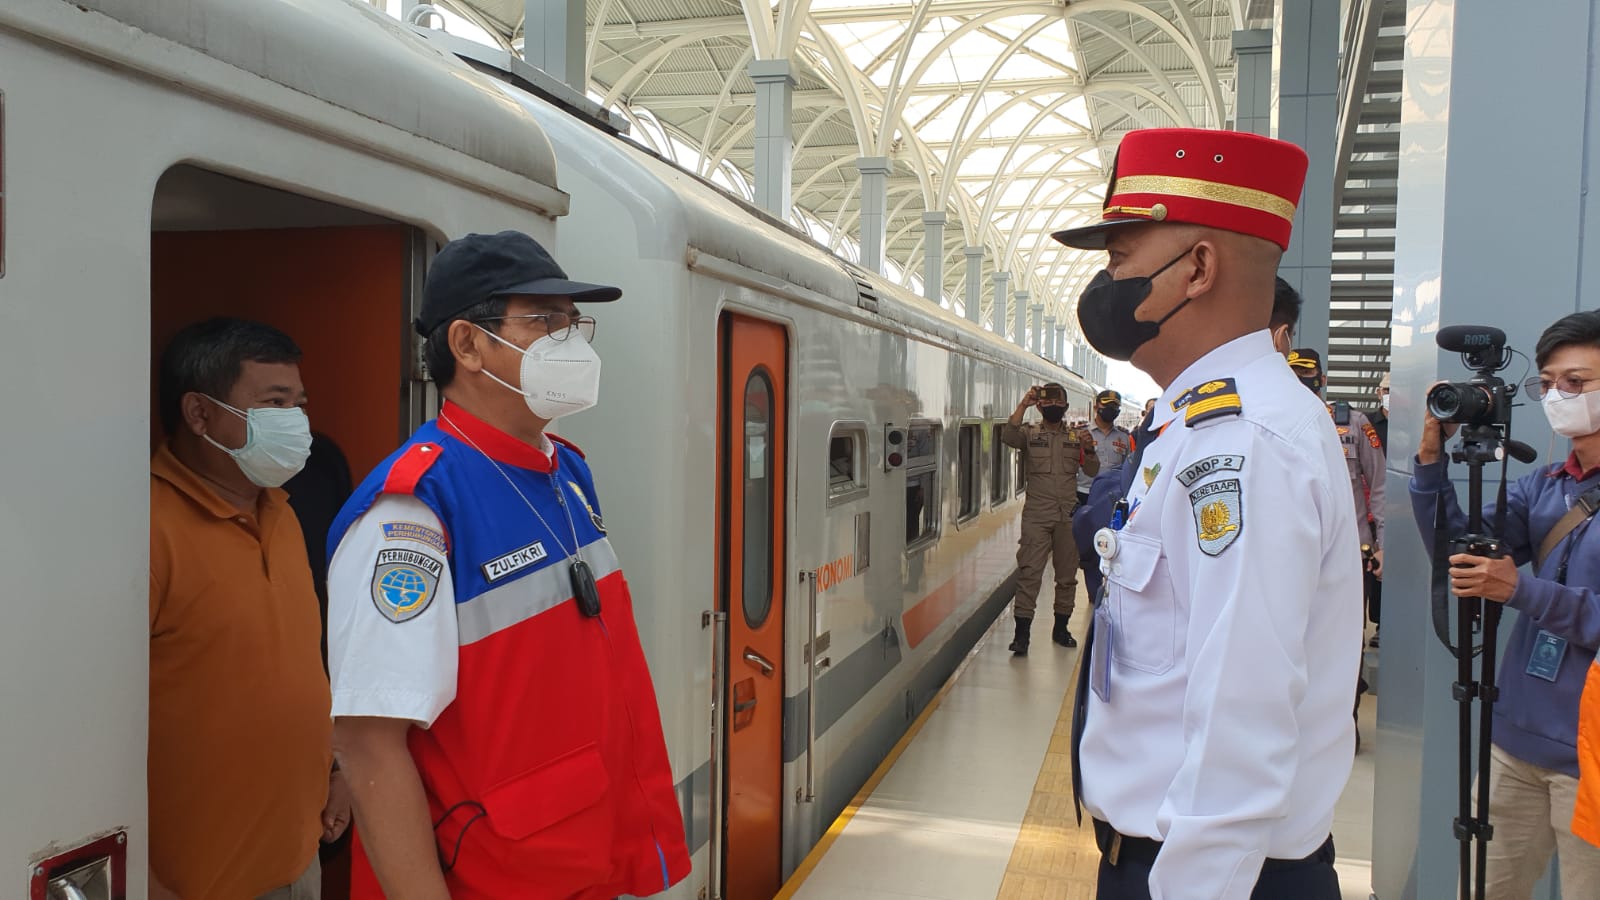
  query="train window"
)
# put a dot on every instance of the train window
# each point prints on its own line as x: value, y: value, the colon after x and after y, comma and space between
x: 847, y: 453
x: 922, y: 507
x: 922, y: 484
x: 863, y: 541
x: 757, y: 589
x: 968, y: 470
x: 998, y: 468
x: 1021, y: 469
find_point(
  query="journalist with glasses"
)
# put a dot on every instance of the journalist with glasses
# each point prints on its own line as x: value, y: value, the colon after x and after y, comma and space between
x: 1535, y: 758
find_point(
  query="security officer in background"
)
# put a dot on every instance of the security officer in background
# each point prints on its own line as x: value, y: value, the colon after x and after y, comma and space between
x: 1363, y: 456
x: 1112, y: 443
x: 1055, y: 454
x: 1213, y: 738
x: 1380, y: 416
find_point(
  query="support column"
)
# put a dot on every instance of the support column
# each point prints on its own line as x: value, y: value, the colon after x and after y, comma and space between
x: 774, y: 134
x: 1048, y: 351
x: 1464, y: 112
x: 1307, y: 63
x: 552, y: 39
x: 874, y: 209
x: 1061, y: 344
x: 974, y: 297
x: 933, y: 255
x: 1019, y: 302
x: 1252, y: 104
x: 1002, y: 303
x: 1036, y: 320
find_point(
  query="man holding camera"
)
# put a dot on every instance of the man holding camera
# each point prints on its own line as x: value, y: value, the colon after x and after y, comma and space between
x: 1534, y: 763
x: 1054, y: 454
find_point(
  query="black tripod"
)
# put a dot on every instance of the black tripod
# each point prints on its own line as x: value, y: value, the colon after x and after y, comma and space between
x: 1480, y: 445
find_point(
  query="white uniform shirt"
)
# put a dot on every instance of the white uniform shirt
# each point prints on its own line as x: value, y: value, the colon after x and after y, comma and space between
x: 1234, y: 617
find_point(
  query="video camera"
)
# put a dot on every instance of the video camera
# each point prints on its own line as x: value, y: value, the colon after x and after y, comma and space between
x: 1485, y: 399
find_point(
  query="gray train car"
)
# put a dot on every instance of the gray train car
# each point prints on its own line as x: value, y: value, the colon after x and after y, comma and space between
x: 799, y: 461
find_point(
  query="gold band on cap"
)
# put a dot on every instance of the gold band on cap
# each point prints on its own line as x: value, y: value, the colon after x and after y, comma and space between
x: 1250, y: 198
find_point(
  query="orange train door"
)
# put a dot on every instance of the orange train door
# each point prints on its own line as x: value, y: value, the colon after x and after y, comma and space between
x: 753, y: 387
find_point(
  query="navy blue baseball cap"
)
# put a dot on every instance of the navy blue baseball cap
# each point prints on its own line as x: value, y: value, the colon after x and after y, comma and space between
x: 480, y: 267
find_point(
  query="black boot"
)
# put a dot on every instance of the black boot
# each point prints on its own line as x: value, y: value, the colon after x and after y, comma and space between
x: 1019, y: 644
x: 1060, y: 634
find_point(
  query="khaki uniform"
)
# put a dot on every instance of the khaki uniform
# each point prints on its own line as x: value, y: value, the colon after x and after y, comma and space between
x: 1363, y: 456
x: 1054, y: 455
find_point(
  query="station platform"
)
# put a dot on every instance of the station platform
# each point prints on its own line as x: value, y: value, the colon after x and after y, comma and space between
x: 976, y: 800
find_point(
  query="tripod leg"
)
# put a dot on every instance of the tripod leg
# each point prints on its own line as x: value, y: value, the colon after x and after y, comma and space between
x: 1464, y: 688
x: 1488, y: 693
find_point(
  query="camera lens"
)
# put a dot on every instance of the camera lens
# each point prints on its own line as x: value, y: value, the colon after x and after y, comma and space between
x: 1460, y: 403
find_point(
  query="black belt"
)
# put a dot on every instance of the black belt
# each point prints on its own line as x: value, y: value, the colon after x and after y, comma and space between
x: 1119, y: 848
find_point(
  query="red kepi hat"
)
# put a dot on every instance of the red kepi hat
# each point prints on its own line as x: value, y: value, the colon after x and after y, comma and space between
x: 1231, y: 180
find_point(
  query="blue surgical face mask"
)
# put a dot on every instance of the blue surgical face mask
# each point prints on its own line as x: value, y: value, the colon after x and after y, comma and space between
x: 276, y: 446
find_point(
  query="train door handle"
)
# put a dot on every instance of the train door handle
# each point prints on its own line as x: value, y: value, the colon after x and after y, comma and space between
x: 760, y: 662
x: 742, y: 707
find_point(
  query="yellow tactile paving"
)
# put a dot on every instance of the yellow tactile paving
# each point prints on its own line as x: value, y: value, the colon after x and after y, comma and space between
x: 1054, y: 859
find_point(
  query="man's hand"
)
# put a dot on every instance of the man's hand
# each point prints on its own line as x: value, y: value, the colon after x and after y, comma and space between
x: 336, y: 815
x: 1377, y: 564
x: 1482, y: 576
x: 1031, y: 398
x: 1431, y: 448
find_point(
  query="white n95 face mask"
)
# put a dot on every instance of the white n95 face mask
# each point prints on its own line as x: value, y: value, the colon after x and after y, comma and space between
x: 559, y: 378
x: 276, y: 446
x: 1573, y: 417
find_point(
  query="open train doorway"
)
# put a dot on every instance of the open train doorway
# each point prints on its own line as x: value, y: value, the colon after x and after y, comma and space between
x: 345, y: 285
x: 753, y: 494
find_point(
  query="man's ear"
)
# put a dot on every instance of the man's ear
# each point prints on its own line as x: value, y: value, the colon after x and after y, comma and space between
x: 1207, y: 266
x: 464, y: 339
x: 196, y: 411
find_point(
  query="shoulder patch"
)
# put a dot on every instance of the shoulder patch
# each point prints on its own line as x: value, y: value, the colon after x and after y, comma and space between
x: 1211, y: 400
x: 411, y: 531
x: 1372, y: 435
x: 407, y: 471
x: 404, y: 583
x: 1218, y: 514
x: 1226, y: 462
x: 568, y: 444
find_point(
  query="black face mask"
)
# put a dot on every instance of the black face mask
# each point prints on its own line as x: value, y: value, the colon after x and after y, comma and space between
x: 1053, y: 414
x: 1106, y: 312
x: 1313, y: 384
x: 1109, y: 413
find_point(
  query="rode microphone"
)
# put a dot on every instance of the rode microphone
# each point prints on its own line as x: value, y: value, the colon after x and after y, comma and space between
x: 1470, y: 338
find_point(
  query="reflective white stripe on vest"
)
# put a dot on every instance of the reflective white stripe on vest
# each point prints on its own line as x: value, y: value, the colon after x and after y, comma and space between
x: 517, y: 601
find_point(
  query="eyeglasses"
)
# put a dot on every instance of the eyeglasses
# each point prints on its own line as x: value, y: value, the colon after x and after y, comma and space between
x: 1567, y: 386
x: 557, y: 325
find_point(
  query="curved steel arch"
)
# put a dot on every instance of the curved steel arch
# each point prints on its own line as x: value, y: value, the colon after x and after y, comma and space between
x: 1202, y: 65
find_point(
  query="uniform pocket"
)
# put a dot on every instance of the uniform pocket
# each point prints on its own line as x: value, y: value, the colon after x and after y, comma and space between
x: 1040, y: 459
x: 1147, y: 621
x: 542, y: 797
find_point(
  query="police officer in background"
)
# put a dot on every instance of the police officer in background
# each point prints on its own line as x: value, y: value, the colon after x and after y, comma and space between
x: 1112, y: 443
x: 1363, y: 456
x: 1054, y: 453
x: 1380, y: 416
x: 1213, y: 736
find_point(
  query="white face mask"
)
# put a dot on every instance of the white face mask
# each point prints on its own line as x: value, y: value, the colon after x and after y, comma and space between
x: 1573, y: 417
x: 276, y: 446
x: 559, y: 378
x: 1383, y: 401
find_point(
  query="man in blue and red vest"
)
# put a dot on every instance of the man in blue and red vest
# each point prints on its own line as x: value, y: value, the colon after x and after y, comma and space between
x: 493, y: 710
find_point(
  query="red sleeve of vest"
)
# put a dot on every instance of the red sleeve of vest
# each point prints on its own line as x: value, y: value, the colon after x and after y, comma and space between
x: 568, y: 444
x: 409, y: 469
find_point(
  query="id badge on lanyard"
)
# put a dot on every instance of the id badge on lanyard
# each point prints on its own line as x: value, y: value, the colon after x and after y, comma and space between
x: 1548, y: 652
x: 1105, y: 628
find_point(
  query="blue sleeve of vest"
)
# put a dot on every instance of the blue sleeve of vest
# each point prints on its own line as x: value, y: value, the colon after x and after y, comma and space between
x: 577, y: 469
x: 1095, y: 514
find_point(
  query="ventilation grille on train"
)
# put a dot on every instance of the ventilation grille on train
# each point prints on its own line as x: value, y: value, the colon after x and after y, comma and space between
x: 866, y: 294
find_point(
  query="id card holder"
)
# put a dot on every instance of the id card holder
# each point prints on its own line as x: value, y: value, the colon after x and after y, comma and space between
x: 1548, y: 652
x: 1105, y: 637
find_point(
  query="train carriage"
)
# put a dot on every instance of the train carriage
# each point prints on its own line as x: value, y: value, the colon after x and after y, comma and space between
x: 798, y: 461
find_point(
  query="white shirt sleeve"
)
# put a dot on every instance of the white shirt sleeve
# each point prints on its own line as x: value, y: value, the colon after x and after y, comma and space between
x: 392, y: 645
x: 1248, y: 642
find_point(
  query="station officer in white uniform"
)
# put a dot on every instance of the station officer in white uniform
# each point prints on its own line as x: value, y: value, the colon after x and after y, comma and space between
x: 1214, y: 734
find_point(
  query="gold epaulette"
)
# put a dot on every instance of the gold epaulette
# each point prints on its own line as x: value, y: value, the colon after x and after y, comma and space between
x: 1209, y: 401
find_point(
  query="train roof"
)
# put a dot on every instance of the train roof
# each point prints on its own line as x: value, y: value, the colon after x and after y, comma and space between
x: 352, y: 56
x: 694, y: 218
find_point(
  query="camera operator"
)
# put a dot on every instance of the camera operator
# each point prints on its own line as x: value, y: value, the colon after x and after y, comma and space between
x: 1534, y: 761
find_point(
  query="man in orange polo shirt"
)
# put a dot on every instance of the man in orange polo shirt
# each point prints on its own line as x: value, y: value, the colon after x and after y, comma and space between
x: 240, y: 727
